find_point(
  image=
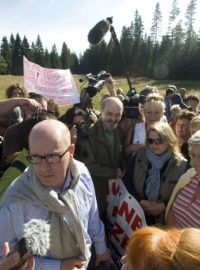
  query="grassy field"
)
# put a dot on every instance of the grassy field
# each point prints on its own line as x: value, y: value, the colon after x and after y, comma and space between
x: 138, y: 83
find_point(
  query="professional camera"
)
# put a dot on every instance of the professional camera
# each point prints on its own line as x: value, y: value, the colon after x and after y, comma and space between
x: 82, y: 129
x: 95, y: 84
x: 131, y: 104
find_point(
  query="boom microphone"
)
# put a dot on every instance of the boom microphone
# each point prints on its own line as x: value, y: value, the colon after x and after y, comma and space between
x: 36, y: 241
x: 98, y: 32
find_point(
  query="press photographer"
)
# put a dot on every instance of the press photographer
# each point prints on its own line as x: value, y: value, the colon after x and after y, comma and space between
x: 81, y: 116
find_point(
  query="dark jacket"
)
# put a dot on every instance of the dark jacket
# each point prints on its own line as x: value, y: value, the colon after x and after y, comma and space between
x: 100, y: 160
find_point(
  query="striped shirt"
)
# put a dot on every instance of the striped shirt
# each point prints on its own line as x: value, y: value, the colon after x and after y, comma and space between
x: 186, y: 206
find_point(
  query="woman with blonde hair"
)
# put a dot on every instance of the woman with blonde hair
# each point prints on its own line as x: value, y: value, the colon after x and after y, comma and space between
x: 151, y: 248
x: 152, y: 111
x: 154, y: 171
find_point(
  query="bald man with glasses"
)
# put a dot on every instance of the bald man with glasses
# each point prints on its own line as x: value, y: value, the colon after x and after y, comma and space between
x: 59, y: 189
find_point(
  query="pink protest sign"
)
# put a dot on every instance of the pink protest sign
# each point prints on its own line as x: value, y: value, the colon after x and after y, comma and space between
x: 51, y: 83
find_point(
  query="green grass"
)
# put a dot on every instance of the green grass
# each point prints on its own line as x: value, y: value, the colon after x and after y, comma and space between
x: 138, y: 83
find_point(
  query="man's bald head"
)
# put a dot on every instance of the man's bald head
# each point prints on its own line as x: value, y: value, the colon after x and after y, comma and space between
x: 49, y: 140
x: 51, y: 129
x: 111, y: 101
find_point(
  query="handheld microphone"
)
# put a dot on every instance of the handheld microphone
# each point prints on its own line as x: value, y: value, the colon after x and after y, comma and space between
x: 98, y: 32
x: 36, y: 241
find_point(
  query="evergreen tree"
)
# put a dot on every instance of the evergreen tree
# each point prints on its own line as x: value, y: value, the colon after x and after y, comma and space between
x: 85, y: 62
x: 190, y: 19
x: 156, y: 24
x: 3, y: 65
x: 65, y: 56
x: 144, y: 57
x: 26, y: 48
x: 74, y: 67
x: 39, y: 52
x: 175, y: 30
x: 32, y: 52
x: 17, y: 58
x: 137, y: 29
x: 55, y: 60
x: 102, y: 57
x: 12, y: 42
x: 126, y: 43
x: 47, y: 59
x: 6, y: 53
x: 116, y: 65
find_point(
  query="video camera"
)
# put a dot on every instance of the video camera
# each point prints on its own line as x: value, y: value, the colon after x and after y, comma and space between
x: 95, y: 85
x: 95, y: 82
x: 131, y: 104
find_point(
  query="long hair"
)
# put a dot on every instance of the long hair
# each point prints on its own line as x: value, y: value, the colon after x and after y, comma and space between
x: 12, y: 87
x: 166, y: 133
x: 151, y: 248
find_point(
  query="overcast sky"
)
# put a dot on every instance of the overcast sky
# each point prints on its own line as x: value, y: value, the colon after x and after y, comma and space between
x: 57, y: 21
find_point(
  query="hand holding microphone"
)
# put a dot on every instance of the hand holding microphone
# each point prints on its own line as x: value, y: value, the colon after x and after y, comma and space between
x: 12, y: 260
x: 35, y: 241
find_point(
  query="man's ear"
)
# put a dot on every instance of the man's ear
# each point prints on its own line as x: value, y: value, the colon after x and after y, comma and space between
x: 71, y: 150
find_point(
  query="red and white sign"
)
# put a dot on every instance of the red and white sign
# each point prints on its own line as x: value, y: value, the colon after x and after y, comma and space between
x: 124, y: 214
x: 57, y: 84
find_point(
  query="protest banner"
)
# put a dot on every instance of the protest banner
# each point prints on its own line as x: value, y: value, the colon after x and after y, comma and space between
x: 57, y: 84
x: 124, y: 215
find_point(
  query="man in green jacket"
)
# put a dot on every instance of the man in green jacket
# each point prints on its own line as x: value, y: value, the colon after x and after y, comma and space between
x: 102, y: 151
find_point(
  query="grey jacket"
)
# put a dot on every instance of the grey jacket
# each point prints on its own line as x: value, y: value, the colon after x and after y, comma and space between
x: 137, y: 172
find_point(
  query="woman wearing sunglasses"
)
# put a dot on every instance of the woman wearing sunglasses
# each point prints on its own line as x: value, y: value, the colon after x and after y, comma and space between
x: 154, y: 171
x: 152, y: 111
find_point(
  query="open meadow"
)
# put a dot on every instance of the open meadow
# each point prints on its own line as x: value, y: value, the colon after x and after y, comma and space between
x: 138, y: 83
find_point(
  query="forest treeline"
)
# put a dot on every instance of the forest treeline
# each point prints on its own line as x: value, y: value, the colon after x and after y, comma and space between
x: 174, y: 55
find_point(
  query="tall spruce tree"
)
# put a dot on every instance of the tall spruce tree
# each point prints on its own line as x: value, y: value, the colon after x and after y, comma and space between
x: 190, y: 19
x: 39, y: 52
x: 6, y: 53
x: 65, y: 56
x: 137, y: 29
x: 54, y: 58
x: 47, y: 59
x: 126, y: 42
x: 17, y: 57
x: 12, y: 42
x: 156, y: 24
x: 74, y: 67
x: 175, y: 30
x: 3, y: 65
x: 26, y: 48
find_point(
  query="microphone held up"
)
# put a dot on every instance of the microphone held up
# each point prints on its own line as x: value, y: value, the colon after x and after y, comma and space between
x: 35, y: 241
x: 98, y: 32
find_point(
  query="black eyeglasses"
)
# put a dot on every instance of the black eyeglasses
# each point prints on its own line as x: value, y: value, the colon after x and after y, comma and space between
x: 157, y: 141
x: 50, y: 159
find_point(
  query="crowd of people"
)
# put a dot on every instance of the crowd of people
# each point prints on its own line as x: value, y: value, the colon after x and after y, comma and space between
x: 56, y: 168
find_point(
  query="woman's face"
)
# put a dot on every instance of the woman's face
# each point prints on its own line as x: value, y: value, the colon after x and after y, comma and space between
x: 17, y: 93
x: 157, y: 145
x: 195, y: 156
x: 153, y: 113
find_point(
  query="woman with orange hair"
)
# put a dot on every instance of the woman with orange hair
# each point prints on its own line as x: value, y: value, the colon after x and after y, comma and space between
x: 152, y: 248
